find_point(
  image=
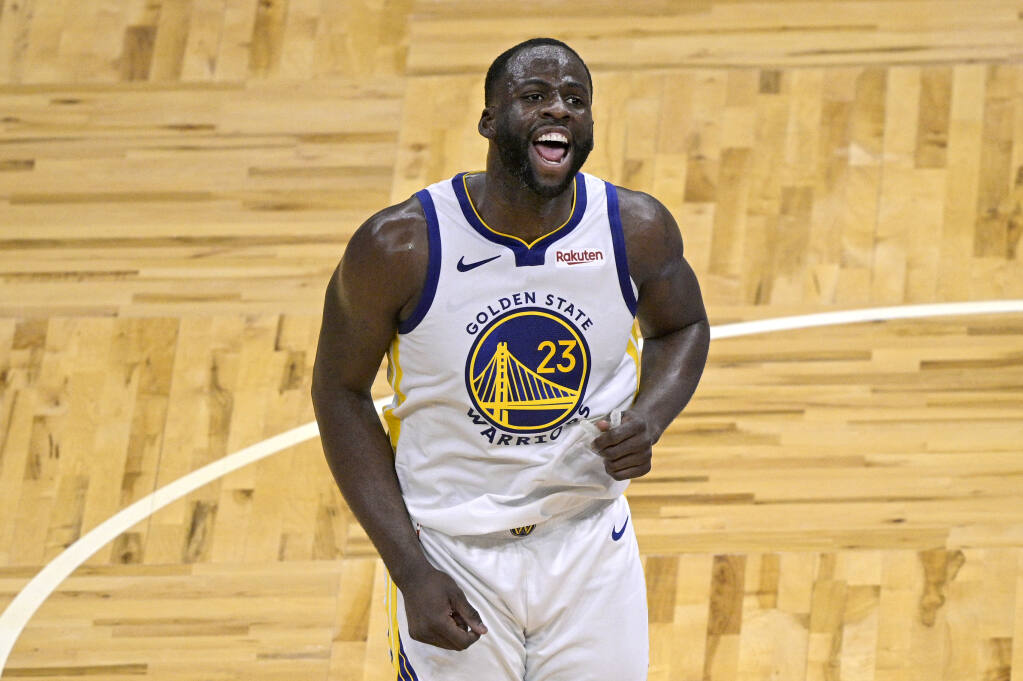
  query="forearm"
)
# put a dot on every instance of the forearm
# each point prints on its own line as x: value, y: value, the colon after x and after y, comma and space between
x: 671, y: 368
x: 361, y: 459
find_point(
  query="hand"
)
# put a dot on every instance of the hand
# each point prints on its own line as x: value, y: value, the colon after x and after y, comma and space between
x: 627, y: 449
x: 439, y: 614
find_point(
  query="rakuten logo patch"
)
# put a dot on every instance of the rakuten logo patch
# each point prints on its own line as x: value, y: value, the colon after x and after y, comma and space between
x: 583, y: 257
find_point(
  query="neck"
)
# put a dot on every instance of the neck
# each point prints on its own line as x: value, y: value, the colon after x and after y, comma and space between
x: 509, y: 206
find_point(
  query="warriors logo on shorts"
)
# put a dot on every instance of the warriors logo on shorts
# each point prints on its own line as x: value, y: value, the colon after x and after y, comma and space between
x: 527, y: 370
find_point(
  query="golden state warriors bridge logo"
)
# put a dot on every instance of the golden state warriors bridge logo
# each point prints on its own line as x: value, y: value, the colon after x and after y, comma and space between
x: 527, y: 370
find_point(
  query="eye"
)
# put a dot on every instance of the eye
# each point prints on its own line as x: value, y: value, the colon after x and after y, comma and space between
x: 575, y: 101
x: 533, y: 97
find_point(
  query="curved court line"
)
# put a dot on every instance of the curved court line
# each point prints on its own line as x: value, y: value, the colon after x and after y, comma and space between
x: 31, y: 597
x: 872, y: 314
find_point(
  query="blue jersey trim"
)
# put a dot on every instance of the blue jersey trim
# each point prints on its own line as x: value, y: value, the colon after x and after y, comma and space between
x: 432, y: 269
x: 405, y: 670
x: 525, y: 255
x: 618, y: 240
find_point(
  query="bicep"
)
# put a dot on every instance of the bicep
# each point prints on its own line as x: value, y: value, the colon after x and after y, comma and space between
x: 670, y: 303
x: 380, y: 272
x: 669, y: 294
x: 358, y: 324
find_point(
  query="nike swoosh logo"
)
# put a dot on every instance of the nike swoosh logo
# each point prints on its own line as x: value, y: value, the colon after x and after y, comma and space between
x: 617, y: 534
x: 463, y: 267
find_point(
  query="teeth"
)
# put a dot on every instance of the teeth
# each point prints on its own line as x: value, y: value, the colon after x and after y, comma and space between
x: 553, y: 137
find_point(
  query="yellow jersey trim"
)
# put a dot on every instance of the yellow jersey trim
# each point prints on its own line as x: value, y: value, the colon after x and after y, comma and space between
x: 394, y: 376
x: 632, y: 348
x: 575, y: 194
x: 392, y: 626
x: 402, y: 667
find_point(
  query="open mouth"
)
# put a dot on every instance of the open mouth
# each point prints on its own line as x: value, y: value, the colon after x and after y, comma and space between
x: 552, y: 147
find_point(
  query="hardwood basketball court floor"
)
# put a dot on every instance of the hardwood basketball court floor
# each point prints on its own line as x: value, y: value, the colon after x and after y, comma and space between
x: 178, y: 179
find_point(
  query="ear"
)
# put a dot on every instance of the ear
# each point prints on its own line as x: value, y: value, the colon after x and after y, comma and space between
x: 486, y: 124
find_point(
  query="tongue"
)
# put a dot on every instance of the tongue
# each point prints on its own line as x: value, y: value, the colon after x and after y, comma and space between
x: 551, y: 152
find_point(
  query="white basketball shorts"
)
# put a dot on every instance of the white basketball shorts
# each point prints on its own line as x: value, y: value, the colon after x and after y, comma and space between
x: 566, y: 602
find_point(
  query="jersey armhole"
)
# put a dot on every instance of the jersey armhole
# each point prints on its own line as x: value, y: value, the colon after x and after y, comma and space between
x: 433, y: 266
x: 618, y: 241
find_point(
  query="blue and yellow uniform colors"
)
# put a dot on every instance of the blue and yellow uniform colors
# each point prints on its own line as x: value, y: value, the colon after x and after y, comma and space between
x: 564, y: 600
x: 527, y: 370
x: 510, y: 344
x: 403, y: 670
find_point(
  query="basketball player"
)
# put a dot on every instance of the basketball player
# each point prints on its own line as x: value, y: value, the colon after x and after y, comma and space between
x: 505, y: 303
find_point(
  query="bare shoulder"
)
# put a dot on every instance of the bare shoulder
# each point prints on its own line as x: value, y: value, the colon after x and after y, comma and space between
x: 393, y: 233
x: 387, y: 257
x: 652, y: 238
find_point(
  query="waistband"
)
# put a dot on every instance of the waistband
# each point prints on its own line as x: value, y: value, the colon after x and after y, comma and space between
x: 501, y: 537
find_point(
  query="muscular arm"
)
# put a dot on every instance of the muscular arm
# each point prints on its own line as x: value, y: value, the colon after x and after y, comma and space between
x: 676, y: 335
x: 377, y: 284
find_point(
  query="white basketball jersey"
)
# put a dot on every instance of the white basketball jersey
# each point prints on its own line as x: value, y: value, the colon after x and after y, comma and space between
x: 510, y: 346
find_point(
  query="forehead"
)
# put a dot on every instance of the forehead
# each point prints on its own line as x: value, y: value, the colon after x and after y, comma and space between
x: 549, y: 62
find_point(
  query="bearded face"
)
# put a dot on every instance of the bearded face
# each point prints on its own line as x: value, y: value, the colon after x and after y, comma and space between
x: 515, y: 151
x: 542, y: 124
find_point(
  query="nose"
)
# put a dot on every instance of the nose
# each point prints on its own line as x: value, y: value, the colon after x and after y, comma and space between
x: 556, y: 107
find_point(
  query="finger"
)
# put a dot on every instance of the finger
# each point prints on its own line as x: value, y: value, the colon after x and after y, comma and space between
x: 440, y: 641
x: 444, y: 630
x: 633, y: 457
x: 459, y: 621
x: 466, y: 614
x: 461, y: 627
x: 434, y: 635
x: 447, y: 634
x: 630, y: 472
x: 629, y: 461
x: 614, y: 436
x: 630, y: 447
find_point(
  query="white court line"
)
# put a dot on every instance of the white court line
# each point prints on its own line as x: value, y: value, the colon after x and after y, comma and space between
x: 873, y: 314
x: 23, y: 607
